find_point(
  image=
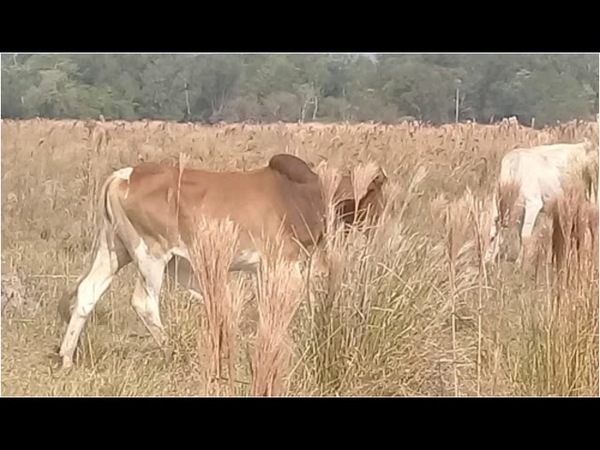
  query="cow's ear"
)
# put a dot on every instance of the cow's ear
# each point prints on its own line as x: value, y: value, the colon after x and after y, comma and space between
x: 344, y: 191
x: 378, y: 180
x: 381, y: 177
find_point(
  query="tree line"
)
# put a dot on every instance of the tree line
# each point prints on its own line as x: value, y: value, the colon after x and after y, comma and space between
x: 301, y: 87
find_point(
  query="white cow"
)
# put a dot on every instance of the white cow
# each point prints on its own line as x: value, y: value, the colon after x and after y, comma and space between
x: 540, y: 172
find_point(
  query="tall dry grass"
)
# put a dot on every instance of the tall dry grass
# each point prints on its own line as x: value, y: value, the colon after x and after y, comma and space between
x: 278, y: 294
x: 509, y: 219
x: 211, y: 254
x: 406, y: 310
x: 457, y: 228
x: 572, y: 315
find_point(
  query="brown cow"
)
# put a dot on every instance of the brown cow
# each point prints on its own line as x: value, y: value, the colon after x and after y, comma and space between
x: 147, y: 216
x: 369, y: 210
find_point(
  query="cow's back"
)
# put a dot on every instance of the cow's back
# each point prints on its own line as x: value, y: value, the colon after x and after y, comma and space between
x: 166, y: 204
x: 541, y: 170
x: 561, y: 156
x: 249, y: 199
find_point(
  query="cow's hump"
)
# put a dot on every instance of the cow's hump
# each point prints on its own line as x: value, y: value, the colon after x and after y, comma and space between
x: 293, y: 168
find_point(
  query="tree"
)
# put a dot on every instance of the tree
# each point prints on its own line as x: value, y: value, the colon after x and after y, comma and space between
x: 233, y: 87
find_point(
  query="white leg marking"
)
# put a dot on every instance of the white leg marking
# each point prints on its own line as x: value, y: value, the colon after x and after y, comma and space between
x: 494, y: 237
x: 532, y: 209
x: 89, y: 291
x: 146, y: 295
x: 146, y: 305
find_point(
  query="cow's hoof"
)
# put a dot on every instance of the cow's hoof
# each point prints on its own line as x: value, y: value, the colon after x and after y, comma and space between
x: 67, y: 364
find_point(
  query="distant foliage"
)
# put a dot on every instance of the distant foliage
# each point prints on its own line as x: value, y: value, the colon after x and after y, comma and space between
x: 306, y: 88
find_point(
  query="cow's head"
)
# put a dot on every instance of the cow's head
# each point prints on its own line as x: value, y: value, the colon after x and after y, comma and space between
x: 365, y: 210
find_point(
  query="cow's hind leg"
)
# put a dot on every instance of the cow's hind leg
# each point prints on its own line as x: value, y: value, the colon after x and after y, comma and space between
x: 532, y: 209
x: 145, y: 300
x: 105, y: 265
x: 180, y: 271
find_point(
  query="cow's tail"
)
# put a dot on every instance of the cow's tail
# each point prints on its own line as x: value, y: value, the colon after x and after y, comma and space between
x: 114, y: 216
x: 105, y: 223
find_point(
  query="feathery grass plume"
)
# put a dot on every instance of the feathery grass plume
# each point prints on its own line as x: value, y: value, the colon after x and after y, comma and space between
x: 330, y: 179
x: 438, y: 206
x: 542, y: 248
x: 381, y: 229
x: 211, y: 255
x: 583, y: 241
x: 279, y: 293
x: 232, y: 317
x: 590, y: 172
x: 437, y: 209
x: 509, y: 209
x: 183, y: 163
x: 563, y: 215
x: 574, y: 237
x: 362, y: 176
x: 391, y: 192
x: 481, y: 222
x: 457, y: 227
x: 581, y: 173
x: 325, y: 342
x: 573, y: 313
x: 592, y: 212
x: 416, y: 180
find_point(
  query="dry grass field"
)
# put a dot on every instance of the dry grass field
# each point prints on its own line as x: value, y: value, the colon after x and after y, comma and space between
x: 409, y: 311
